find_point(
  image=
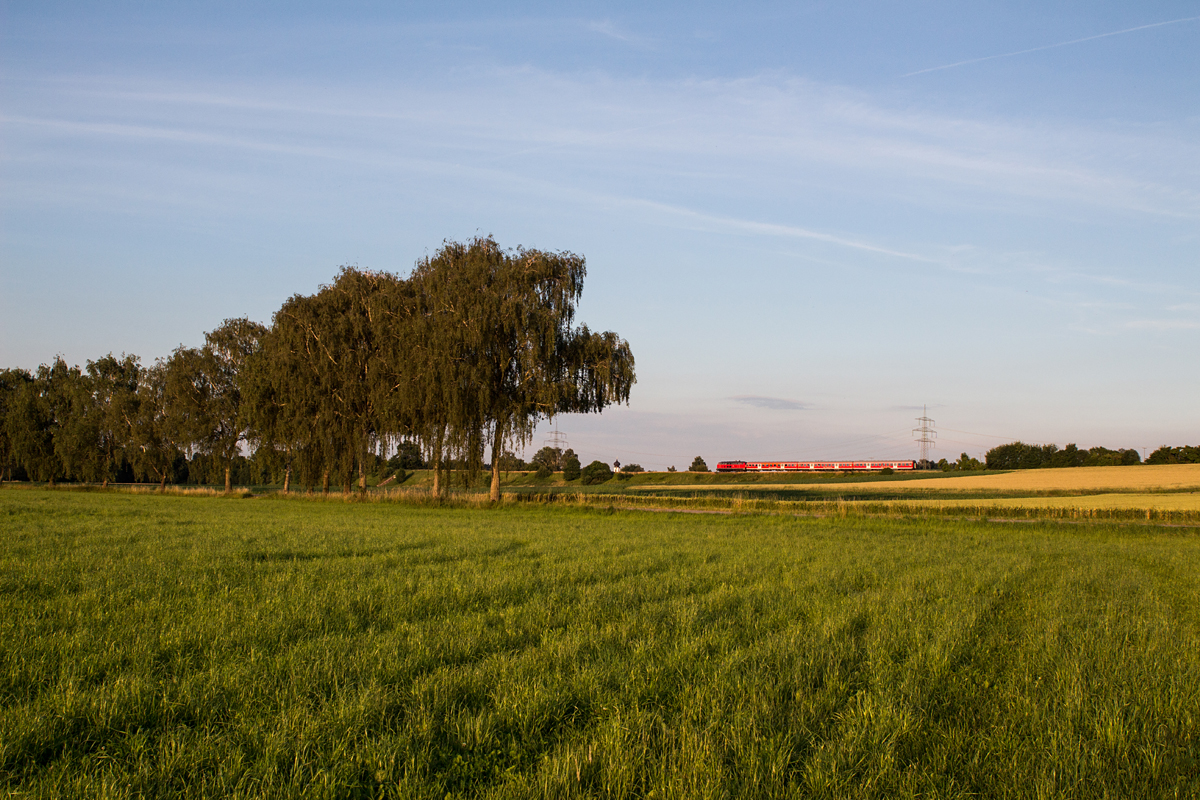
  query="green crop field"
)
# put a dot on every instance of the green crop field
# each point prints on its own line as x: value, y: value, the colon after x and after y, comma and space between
x: 159, y: 646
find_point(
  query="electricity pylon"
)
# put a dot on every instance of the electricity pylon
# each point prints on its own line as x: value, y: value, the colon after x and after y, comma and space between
x: 927, y: 435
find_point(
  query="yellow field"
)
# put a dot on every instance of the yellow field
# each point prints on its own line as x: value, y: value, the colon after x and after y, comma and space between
x: 1140, y: 478
x: 1135, y: 478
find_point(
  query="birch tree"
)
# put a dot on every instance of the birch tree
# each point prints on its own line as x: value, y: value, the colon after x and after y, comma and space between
x: 503, y: 328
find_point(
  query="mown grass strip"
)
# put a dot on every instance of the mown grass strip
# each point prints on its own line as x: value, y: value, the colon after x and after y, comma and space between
x: 1170, y: 508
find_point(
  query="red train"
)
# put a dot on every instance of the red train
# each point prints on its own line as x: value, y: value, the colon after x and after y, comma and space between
x: 813, y: 466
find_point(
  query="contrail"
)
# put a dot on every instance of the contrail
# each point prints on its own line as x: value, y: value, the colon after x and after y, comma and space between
x: 1050, y: 46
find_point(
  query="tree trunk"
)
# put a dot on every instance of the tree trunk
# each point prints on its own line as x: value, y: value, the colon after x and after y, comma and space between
x: 104, y: 485
x: 325, y: 483
x: 437, y: 463
x: 228, y: 485
x: 162, y: 484
x: 497, y: 440
x: 287, y: 479
x: 362, y: 469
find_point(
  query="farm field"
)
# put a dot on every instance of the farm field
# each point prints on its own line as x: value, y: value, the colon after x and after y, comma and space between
x: 1161, y: 501
x: 159, y: 645
x: 1140, y: 478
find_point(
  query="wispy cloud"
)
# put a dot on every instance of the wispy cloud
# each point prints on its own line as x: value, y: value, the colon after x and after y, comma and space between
x: 753, y: 130
x: 1049, y: 46
x: 746, y: 226
x: 167, y: 134
x: 772, y: 403
x: 767, y: 146
x: 610, y: 29
x: 1164, y: 324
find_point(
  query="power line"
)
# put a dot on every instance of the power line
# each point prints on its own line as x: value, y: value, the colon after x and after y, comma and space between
x: 856, y: 445
x: 993, y: 436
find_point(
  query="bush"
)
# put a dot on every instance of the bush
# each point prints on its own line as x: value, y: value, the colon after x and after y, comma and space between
x: 543, y: 472
x: 632, y: 468
x: 549, y: 457
x: 698, y: 465
x: 595, y: 472
x: 887, y: 471
x: 511, y: 462
x: 570, y: 466
x: 408, y: 456
x: 965, y: 462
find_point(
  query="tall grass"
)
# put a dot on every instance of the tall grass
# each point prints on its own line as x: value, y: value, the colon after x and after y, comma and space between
x: 182, y: 646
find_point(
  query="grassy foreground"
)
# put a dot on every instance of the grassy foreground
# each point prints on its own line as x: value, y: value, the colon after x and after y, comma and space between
x: 190, y: 646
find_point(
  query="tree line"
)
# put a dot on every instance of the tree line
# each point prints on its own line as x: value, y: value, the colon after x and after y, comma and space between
x: 467, y: 353
x: 1175, y: 455
x: 1019, y: 455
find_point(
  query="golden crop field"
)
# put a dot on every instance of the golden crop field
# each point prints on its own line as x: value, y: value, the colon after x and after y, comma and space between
x: 1142, y: 477
x: 1139, y: 478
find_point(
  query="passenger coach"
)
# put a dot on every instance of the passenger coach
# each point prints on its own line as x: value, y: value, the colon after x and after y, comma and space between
x: 813, y: 466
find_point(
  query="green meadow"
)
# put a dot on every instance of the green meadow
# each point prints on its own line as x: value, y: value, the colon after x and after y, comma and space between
x: 188, y: 646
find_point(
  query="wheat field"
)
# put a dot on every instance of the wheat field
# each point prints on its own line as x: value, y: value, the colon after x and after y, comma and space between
x: 1137, y: 478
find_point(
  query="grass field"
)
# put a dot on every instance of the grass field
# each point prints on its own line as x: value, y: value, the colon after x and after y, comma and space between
x: 183, y: 646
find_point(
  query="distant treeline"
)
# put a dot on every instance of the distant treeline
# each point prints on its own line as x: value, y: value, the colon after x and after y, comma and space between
x: 1019, y: 455
x: 472, y: 349
x: 1175, y: 455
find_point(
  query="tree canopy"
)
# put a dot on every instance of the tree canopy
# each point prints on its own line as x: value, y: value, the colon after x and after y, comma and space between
x: 595, y: 472
x: 1019, y: 455
x: 466, y: 354
x: 501, y: 323
x: 1175, y: 455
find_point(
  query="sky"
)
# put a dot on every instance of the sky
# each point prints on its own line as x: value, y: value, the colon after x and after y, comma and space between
x: 811, y: 220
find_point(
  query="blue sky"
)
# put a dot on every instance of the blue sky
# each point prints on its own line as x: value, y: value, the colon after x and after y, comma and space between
x: 808, y: 219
